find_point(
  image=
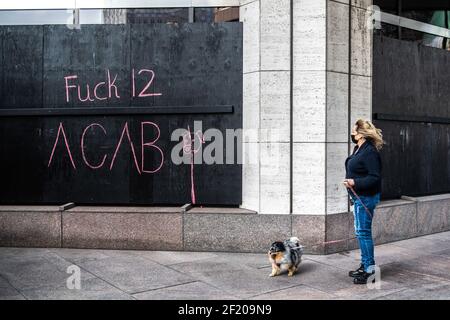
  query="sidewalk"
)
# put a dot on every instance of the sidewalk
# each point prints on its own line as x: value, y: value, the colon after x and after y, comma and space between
x: 417, y: 268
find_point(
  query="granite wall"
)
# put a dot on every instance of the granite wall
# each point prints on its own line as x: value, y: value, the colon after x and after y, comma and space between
x: 213, y: 229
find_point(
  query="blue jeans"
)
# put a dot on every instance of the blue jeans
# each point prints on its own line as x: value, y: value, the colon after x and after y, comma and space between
x: 363, y: 228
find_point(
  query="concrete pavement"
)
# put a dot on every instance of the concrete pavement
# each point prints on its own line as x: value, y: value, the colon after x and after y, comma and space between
x: 417, y: 268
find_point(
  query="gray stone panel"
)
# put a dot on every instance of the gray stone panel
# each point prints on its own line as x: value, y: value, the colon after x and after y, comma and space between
x: 394, y: 222
x: 231, y: 232
x: 433, y: 214
x: 311, y: 232
x: 113, y: 230
x: 29, y: 226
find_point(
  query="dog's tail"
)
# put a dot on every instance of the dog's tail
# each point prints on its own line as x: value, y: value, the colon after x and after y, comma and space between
x: 295, y: 242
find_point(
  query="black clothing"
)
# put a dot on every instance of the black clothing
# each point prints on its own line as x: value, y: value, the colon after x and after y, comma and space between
x: 364, y: 167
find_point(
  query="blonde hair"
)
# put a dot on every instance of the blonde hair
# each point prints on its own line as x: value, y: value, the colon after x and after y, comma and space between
x: 370, y: 132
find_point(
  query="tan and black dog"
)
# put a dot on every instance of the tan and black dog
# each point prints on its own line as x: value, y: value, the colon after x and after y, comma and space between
x: 286, y: 254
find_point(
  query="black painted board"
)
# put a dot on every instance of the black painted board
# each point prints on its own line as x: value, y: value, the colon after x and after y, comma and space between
x: 21, y: 164
x: 416, y: 160
x: 411, y: 80
x: 22, y: 67
x: 194, y: 65
x: 2, y: 74
x: 35, y: 170
x: 94, y: 56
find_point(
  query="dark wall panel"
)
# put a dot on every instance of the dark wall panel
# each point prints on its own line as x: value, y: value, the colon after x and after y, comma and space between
x: 410, y: 79
x: 22, y: 67
x: 192, y: 65
x: 410, y: 100
x: 416, y: 158
x: 87, y: 53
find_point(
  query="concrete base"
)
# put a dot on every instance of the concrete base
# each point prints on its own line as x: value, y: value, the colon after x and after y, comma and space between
x: 212, y: 229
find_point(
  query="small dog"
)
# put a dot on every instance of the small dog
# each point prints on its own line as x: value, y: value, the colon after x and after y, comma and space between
x: 286, y: 254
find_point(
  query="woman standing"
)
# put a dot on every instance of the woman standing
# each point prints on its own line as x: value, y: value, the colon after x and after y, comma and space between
x: 363, y: 182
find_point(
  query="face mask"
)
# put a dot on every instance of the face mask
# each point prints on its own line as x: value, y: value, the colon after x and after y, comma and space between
x: 353, y: 139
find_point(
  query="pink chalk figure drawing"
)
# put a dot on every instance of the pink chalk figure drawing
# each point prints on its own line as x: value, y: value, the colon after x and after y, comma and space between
x: 144, y: 144
x: 189, y: 139
x: 110, y: 86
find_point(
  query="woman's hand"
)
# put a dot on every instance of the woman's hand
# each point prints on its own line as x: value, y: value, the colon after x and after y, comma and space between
x: 349, y: 183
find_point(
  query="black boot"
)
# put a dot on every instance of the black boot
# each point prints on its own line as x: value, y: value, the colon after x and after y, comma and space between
x: 357, y: 272
x: 363, y: 278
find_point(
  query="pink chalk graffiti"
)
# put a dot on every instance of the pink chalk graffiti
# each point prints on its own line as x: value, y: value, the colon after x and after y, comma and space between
x: 125, y: 129
x: 142, y: 94
x: 67, y: 85
x: 110, y: 86
x: 189, y: 148
x: 95, y: 91
x: 82, y: 147
x: 144, y: 144
x: 88, y: 94
x: 150, y: 144
x: 61, y: 129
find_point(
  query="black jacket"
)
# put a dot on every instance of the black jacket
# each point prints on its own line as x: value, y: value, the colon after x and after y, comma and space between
x: 364, y: 168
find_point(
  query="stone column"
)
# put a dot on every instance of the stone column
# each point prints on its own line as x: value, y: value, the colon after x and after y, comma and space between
x: 309, y: 122
x: 332, y: 88
x: 349, y: 97
x: 331, y: 70
x: 266, y: 105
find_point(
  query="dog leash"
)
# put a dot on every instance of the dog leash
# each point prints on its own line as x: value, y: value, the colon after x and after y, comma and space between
x: 358, y: 198
x: 346, y: 239
x: 365, y: 208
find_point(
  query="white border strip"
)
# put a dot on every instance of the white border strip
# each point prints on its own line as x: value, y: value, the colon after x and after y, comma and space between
x: 36, y: 4
x: 414, y: 25
x: 109, y: 4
